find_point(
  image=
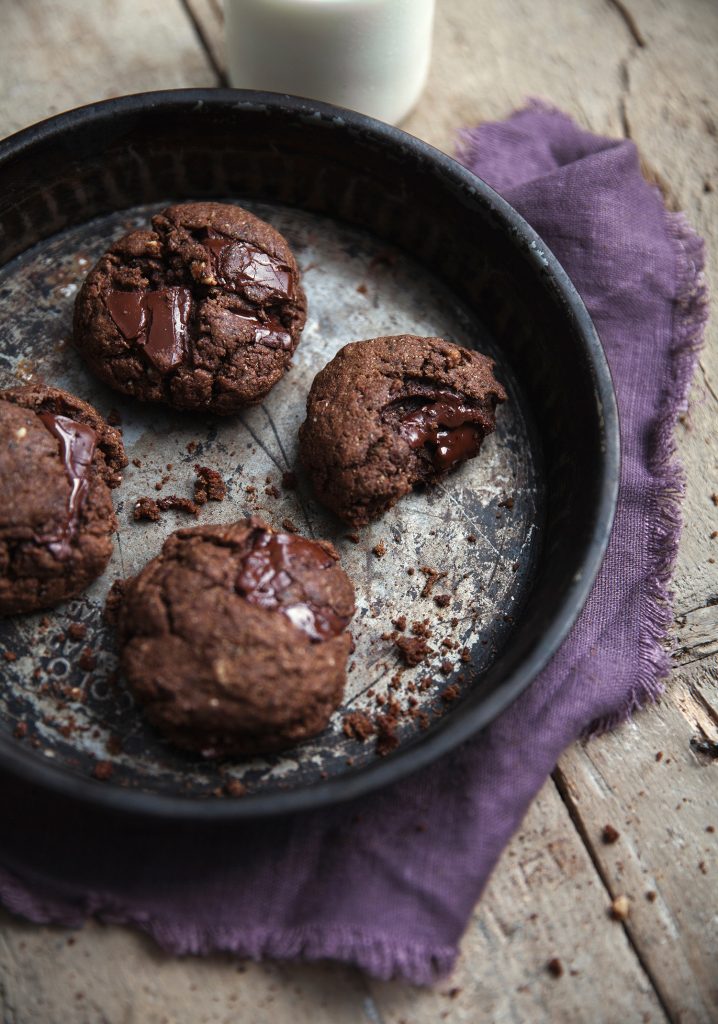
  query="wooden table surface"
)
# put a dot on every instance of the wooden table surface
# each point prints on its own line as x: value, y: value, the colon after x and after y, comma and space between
x: 643, y: 68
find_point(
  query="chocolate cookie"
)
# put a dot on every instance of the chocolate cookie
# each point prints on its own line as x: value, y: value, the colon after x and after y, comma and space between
x: 58, y: 459
x: 234, y: 639
x: 203, y: 312
x: 389, y: 414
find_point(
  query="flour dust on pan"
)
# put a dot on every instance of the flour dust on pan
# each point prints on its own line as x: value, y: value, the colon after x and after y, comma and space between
x: 471, y: 542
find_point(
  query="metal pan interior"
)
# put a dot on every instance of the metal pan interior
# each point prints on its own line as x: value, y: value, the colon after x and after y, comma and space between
x: 488, y: 528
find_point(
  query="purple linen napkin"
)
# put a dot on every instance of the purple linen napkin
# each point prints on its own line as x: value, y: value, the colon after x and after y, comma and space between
x: 389, y: 882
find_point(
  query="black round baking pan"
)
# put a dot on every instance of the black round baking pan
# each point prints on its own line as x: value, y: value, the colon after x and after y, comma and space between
x: 392, y: 237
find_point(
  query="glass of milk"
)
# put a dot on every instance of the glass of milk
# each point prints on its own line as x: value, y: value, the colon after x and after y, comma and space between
x: 368, y: 55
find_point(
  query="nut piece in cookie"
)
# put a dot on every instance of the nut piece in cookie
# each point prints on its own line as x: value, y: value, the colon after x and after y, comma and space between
x: 234, y: 638
x: 58, y: 460
x: 203, y: 312
x: 390, y: 414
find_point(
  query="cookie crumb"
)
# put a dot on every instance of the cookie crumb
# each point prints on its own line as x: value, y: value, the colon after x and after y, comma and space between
x: 209, y: 485
x: 20, y: 731
x: 379, y: 549
x: 432, y: 578
x: 357, y: 726
x: 442, y: 600
x: 272, y: 491
x: 555, y: 967
x: 77, y: 631
x: 353, y: 537
x: 146, y: 508
x: 387, y: 740
x: 399, y: 623
x: 288, y: 525
x: 233, y: 787
x: 9, y: 655
x: 192, y: 447
x: 412, y: 650
x: 451, y: 693
x: 103, y: 770
x: 114, y: 745
x: 173, y: 501
x: 620, y: 908
x: 651, y: 896
x: 87, y: 660
x: 609, y: 834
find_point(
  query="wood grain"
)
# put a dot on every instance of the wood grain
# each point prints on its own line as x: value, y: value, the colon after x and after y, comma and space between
x: 59, y: 54
x: 545, y: 902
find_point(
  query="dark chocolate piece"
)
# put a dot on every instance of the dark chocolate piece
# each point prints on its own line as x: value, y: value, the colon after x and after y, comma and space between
x: 77, y: 449
x: 271, y: 576
x: 448, y: 425
x: 243, y: 267
x: 157, y: 321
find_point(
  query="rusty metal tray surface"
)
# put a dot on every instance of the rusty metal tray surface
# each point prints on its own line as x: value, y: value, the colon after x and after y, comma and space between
x: 391, y: 237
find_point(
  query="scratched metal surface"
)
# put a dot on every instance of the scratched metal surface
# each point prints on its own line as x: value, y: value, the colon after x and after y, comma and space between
x: 357, y: 288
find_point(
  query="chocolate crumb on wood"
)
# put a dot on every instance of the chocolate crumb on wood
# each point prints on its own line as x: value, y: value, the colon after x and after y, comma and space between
x: 610, y: 834
x: 555, y: 967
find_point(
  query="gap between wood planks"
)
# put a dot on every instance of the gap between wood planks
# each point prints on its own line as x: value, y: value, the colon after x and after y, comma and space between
x: 207, y: 20
x: 563, y: 788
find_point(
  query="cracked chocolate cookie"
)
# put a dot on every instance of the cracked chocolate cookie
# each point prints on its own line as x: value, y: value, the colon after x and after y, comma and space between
x: 234, y: 638
x: 203, y: 312
x: 58, y: 459
x: 390, y: 414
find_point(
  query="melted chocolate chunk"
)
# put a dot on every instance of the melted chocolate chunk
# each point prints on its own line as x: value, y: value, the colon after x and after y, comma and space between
x: 446, y: 424
x: 271, y: 577
x: 243, y: 267
x: 77, y: 448
x: 155, y: 320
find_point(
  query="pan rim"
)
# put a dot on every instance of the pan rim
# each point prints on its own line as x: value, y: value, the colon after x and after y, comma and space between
x: 453, y: 729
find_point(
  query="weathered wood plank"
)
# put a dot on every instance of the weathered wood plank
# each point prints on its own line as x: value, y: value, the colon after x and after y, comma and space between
x: 57, y: 55
x: 670, y: 96
x: 117, y: 976
x: 544, y: 902
x: 666, y: 858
